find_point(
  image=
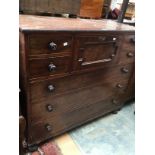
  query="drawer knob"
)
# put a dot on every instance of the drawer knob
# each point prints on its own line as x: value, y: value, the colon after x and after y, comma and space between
x: 114, y: 101
x: 49, y: 108
x: 102, y: 38
x: 132, y: 40
x: 113, y: 55
x: 130, y: 54
x: 52, y: 46
x: 51, y: 67
x: 119, y: 86
x: 51, y: 88
x: 48, y: 127
x: 125, y: 70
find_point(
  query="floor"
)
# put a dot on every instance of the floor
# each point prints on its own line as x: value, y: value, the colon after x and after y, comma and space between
x: 113, y: 134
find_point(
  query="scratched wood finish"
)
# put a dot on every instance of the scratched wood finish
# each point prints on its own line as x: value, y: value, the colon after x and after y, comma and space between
x: 95, y: 110
x: 39, y: 43
x: 91, y: 8
x: 62, y: 85
x: 50, y: 6
x: 40, y: 23
x: 83, y: 85
x: 40, y: 67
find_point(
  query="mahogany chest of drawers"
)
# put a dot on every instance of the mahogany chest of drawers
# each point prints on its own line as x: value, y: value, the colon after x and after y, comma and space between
x: 72, y: 71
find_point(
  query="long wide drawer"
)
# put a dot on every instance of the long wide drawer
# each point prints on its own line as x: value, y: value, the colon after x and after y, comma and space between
x: 67, y: 120
x: 49, y: 66
x: 50, y: 88
x: 51, y: 107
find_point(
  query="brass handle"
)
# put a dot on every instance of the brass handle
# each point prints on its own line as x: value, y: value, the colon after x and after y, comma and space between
x: 52, y: 46
x: 96, y: 62
x: 48, y: 127
x: 49, y: 108
x: 119, y: 86
x: 125, y: 70
x: 80, y: 59
x: 51, y: 88
x: 51, y: 67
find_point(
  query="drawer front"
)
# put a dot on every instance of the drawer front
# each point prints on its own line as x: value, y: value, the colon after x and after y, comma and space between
x: 92, y: 52
x: 127, y: 52
x: 49, y: 66
x: 50, y: 88
x: 49, y: 43
x: 65, y: 103
x: 128, y: 42
x: 67, y: 120
x: 126, y: 56
x: 84, y: 40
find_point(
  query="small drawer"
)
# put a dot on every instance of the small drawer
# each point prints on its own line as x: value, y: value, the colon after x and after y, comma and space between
x: 96, y: 56
x: 121, y: 72
x: 127, y: 56
x: 128, y: 42
x: 49, y: 43
x: 49, y: 66
x: 84, y: 40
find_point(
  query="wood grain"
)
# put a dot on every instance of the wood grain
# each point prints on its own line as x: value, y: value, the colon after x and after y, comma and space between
x: 40, y: 23
x: 91, y: 8
x: 50, y: 6
x: 82, y: 87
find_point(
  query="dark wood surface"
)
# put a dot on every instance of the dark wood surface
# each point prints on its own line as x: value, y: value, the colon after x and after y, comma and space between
x: 22, y: 127
x: 41, y: 23
x: 43, y: 67
x: 91, y: 73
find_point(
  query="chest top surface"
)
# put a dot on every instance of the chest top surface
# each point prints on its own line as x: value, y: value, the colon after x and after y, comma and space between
x: 42, y: 23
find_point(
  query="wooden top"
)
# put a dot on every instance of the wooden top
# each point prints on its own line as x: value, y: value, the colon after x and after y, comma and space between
x: 42, y: 23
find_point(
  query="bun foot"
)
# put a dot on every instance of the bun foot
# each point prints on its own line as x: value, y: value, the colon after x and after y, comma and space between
x: 33, y: 148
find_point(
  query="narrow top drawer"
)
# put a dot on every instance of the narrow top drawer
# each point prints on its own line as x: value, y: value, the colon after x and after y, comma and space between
x: 86, y: 40
x: 49, y: 43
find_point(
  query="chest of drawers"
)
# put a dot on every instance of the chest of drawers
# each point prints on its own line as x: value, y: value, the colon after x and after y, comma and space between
x: 72, y: 71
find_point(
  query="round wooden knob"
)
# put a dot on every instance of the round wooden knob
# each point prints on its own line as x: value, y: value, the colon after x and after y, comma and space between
x: 119, y: 86
x: 49, y: 108
x: 51, y: 67
x: 52, y: 46
x: 113, y: 55
x: 114, y: 101
x: 132, y: 40
x: 48, y: 127
x: 130, y: 54
x: 51, y: 88
x: 125, y: 70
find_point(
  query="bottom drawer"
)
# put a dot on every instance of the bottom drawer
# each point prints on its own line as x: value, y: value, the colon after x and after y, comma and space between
x: 66, y: 121
x: 55, y: 106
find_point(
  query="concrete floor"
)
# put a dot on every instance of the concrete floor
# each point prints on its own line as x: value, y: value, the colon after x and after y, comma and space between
x: 113, y: 134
